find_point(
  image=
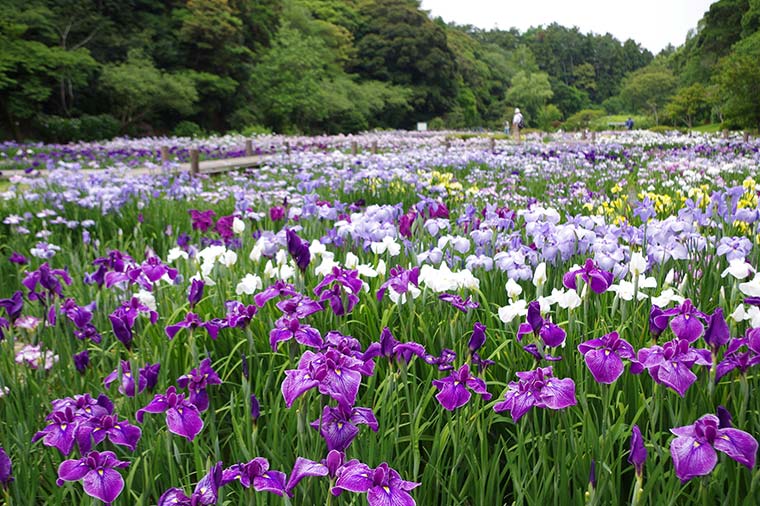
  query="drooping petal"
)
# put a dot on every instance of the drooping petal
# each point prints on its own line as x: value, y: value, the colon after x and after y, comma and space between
x: 692, y: 458
x: 185, y: 421
x: 297, y: 382
x: 389, y: 496
x: 270, y: 481
x: 104, y: 484
x: 605, y: 366
x: 303, y: 468
x: 558, y: 394
x: 738, y: 445
x: 453, y: 395
x: 354, y: 477
x: 72, y: 470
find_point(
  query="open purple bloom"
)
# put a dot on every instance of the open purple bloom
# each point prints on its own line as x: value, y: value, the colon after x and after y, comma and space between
x: 340, y: 288
x: 298, y: 249
x: 399, y: 280
x: 550, y: 333
x: 596, y: 278
x: 196, y: 382
x: 338, y: 425
x: 49, y: 281
x: 302, y: 469
x: 299, y: 306
x: 658, y: 321
x: 13, y: 305
x: 463, y: 305
x: 94, y: 430
x: 61, y: 431
x: 287, y: 328
x: 191, y: 321
x: 685, y: 322
x: 638, y: 454
x: 537, y: 388
x: 693, y: 451
x: 278, y: 289
x: 202, y: 220
x: 671, y: 364
x: 239, y: 315
x: 444, y: 361
x: 392, y: 349
x: 206, y: 491
x: 603, y: 356
x: 334, y: 373
x: 127, y: 385
x: 18, y: 258
x: 257, y: 473
x: 98, y: 474
x: 383, y: 485
x: 182, y: 417
x: 6, y: 469
x: 454, y: 391
x: 741, y: 353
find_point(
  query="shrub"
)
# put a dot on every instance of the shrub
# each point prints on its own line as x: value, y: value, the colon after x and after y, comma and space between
x: 253, y: 130
x: 188, y: 129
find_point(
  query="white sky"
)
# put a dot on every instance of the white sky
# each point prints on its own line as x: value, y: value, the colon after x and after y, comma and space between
x: 652, y: 23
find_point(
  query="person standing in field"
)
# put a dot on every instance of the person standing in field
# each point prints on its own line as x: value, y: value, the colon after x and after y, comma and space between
x: 518, y: 123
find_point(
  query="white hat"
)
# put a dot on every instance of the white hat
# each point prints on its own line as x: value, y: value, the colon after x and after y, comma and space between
x: 517, y: 110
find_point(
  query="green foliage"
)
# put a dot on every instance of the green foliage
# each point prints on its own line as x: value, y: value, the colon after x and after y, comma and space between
x: 689, y: 105
x: 549, y: 117
x: 188, y: 129
x: 648, y: 89
x: 253, y: 130
x: 739, y: 80
x: 530, y: 92
x: 582, y: 119
x: 84, y: 128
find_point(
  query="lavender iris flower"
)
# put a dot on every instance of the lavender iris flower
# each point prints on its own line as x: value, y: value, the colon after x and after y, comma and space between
x: 399, y: 280
x: 299, y: 306
x: 196, y: 293
x: 686, y: 323
x: 717, y: 333
x: 444, y: 361
x: 693, y: 451
x: 463, y: 305
x: 127, y: 386
x: 60, y: 432
x: 383, y: 485
x: 598, y: 279
x: 392, y: 349
x: 658, y: 321
x: 454, y: 391
x: 537, y: 388
x: 741, y: 353
x: 278, y: 289
x: 671, y: 364
x: 338, y: 425
x: 603, y: 356
x: 196, y: 382
x: 94, y: 430
x: 81, y: 361
x: 98, y: 474
x: 333, y: 373
x: 257, y: 473
x: 13, y: 305
x: 478, y: 337
x: 303, y: 468
x: 287, y: 328
x: 191, y: 321
x: 6, y: 469
x: 182, y: 417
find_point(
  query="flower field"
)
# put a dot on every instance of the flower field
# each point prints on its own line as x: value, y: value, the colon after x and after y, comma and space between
x: 445, y: 322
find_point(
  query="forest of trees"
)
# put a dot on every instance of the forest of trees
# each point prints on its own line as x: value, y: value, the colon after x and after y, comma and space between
x: 90, y: 69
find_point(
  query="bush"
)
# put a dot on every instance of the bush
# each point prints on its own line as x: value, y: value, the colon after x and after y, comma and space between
x: 582, y: 119
x: 84, y: 128
x: 100, y: 127
x: 436, y: 123
x: 254, y: 130
x: 188, y: 129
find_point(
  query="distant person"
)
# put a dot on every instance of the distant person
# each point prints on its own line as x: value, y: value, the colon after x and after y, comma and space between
x: 518, y: 123
x: 506, y: 127
x: 629, y: 124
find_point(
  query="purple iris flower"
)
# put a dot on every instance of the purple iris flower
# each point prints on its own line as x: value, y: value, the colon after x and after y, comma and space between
x: 444, y: 361
x: 685, y: 322
x: 239, y: 315
x: 224, y: 226
x: 13, y: 305
x: 206, y: 491
x: 717, y: 333
x: 49, y: 281
x: 6, y: 469
x: 276, y: 213
x: 454, y: 391
x: 202, y: 220
x: 196, y: 382
x: 399, y: 280
x: 383, y: 485
x: 97, y: 470
x: 537, y: 388
x: 603, y: 356
x: 81, y: 361
x: 671, y: 364
x: 196, y: 293
x: 658, y: 321
x: 182, y: 417
x: 480, y: 363
x: 127, y: 386
x: 390, y: 348
x: 463, y: 305
x: 255, y: 408
x: 340, y: 289
x: 278, y: 289
x: 287, y: 328
x: 741, y: 353
x: 257, y: 473
x: 154, y: 269
x: 18, y: 258
x: 550, y: 333
x: 638, y: 454
x: 191, y: 321
x: 598, y: 279
x: 299, y: 306
x: 4, y: 324
x: 335, y: 374
x: 298, y: 249
x: 94, y: 430
x: 478, y: 338
x: 61, y: 431
x: 693, y: 451
x: 303, y: 468
x: 338, y: 425
x: 123, y: 319
x: 539, y: 354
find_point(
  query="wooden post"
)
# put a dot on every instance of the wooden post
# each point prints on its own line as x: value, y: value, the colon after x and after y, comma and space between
x: 354, y: 148
x: 746, y: 137
x: 492, y: 144
x: 593, y: 137
x: 374, y: 147
x: 287, y: 148
x: 583, y: 135
x: 248, y: 147
x: 194, y: 162
x: 725, y: 133
x: 448, y: 144
x: 164, y: 154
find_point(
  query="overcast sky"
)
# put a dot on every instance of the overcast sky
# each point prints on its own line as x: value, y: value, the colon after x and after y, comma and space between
x: 652, y: 23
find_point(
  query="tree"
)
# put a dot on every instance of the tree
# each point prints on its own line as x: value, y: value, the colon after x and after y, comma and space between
x: 689, y: 104
x: 738, y: 78
x: 530, y: 92
x: 649, y: 88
